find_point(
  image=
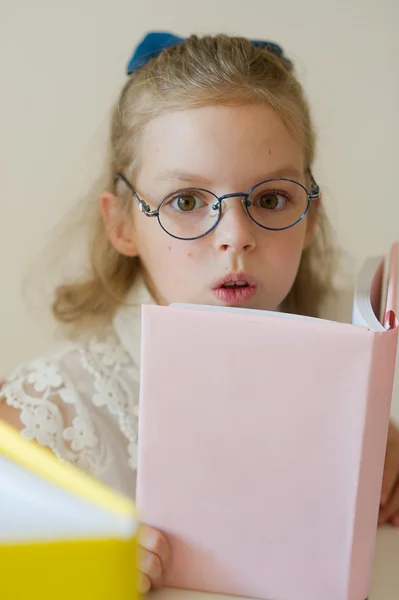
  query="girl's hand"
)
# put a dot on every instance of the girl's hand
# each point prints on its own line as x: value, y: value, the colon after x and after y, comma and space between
x: 389, y: 511
x: 153, y: 558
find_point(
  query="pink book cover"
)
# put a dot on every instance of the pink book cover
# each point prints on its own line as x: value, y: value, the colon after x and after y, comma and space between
x: 261, y: 449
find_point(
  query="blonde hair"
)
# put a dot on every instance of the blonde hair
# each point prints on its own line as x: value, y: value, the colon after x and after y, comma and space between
x: 198, y: 72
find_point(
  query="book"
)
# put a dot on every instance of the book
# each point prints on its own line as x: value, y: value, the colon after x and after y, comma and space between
x: 262, y: 439
x: 375, y: 297
x: 62, y: 534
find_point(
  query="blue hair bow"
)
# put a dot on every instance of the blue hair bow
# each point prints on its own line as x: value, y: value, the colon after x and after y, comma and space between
x: 153, y: 44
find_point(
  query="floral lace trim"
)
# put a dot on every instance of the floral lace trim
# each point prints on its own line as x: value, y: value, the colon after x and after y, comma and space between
x: 53, y: 414
x: 38, y: 390
x: 114, y: 376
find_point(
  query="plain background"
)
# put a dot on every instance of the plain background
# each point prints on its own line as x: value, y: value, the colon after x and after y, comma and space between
x: 63, y: 64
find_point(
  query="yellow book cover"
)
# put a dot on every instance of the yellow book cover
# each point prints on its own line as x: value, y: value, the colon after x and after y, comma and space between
x: 63, y: 535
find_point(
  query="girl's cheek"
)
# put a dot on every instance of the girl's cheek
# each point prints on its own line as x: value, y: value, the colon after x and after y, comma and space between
x: 189, y: 254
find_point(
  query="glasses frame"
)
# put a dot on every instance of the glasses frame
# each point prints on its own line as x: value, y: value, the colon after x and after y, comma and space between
x: 145, y: 208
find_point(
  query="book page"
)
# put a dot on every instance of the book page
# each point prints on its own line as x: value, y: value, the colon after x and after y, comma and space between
x: 367, y: 296
x: 390, y: 316
x: 32, y: 508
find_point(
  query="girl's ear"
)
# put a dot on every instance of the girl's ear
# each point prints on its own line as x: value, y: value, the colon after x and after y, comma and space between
x: 312, y: 221
x: 120, y: 230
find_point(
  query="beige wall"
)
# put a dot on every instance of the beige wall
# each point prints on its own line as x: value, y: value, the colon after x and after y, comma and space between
x: 63, y: 63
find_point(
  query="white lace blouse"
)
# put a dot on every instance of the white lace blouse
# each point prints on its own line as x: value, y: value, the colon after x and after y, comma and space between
x: 81, y: 401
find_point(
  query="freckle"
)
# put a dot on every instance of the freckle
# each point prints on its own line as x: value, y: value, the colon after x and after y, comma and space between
x: 189, y: 254
x: 169, y: 247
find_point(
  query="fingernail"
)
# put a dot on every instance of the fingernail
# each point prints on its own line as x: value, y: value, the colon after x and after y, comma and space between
x: 143, y: 584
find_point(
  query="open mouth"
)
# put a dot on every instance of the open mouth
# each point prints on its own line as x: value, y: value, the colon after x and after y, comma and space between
x: 235, y: 289
x: 235, y: 284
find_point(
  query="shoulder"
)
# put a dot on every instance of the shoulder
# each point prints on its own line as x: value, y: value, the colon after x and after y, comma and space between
x: 66, y: 366
x: 75, y: 398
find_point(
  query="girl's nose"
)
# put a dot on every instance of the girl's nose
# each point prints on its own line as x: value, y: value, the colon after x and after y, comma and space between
x: 235, y: 231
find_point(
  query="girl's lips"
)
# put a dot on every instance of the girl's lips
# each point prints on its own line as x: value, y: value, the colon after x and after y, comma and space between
x: 233, y: 296
x: 235, y: 289
x: 235, y: 278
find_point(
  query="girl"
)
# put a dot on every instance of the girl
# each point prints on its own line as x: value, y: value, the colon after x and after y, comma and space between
x: 210, y: 199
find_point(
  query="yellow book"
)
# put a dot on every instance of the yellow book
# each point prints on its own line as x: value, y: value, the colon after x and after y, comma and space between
x: 63, y: 535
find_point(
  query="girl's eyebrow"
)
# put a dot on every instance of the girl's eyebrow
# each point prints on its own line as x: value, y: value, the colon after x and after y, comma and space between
x: 287, y: 171
x: 183, y: 176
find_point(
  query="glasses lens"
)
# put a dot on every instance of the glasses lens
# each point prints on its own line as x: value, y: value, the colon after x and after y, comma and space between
x: 189, y: 213
x: 277, y: 204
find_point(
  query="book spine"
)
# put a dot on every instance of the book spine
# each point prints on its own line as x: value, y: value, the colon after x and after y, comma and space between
x: 380, y: 387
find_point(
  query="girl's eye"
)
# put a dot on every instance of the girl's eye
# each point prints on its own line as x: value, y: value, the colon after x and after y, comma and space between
x: 272, y: 201
x: 187, y: 202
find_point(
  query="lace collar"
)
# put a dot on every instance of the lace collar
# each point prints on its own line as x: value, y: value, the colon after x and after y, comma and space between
x: 127, y: 320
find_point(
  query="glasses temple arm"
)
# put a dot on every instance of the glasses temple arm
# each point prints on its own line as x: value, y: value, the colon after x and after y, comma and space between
x: 143, y: 206
x: 315, y: 188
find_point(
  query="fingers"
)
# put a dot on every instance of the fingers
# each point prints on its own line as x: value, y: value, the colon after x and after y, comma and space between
x: 391, y: 467
x: 390, y: 512
x: 153, y: 558
x: 154, y: 541
x: 143, y: 583
x: 150, y: 568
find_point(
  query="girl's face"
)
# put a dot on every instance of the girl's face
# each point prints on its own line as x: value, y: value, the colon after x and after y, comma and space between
x: 223, y: 149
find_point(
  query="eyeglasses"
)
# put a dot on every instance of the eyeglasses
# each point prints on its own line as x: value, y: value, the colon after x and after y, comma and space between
x: 191, y: 213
